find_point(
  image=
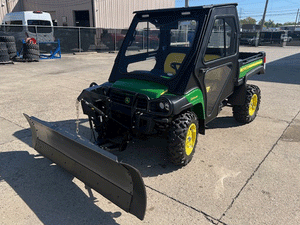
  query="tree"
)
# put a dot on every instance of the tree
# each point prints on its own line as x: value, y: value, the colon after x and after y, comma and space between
x: 269, y: 23
x: 289, y: 23
x: 248, y: 20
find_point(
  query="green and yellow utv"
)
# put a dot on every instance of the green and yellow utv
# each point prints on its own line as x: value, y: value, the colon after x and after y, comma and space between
x: 175, y: 71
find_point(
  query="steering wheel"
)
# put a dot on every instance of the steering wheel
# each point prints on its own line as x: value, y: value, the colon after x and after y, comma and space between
x: 175, y: 66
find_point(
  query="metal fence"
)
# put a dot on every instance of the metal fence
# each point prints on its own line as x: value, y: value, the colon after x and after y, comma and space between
x: 282, y: 38
x: 295, y: 41
x: 82, y: 39
x: 72, y: 39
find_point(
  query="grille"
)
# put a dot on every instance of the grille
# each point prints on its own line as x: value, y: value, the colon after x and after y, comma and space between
x: 120, y: 97
x: 142, y: 103
x: 126, y: 98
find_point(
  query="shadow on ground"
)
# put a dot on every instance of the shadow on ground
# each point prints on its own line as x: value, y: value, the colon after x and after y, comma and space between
x: 223, y: 122
x: 149, y: 156
x: 284, y: 70
x: 49, y: 191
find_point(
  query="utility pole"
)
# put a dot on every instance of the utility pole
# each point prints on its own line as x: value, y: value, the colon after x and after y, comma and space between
x: 7, y: 8
x: 186, y: 3
x: 296, y: 19
x: 262, y: 24
x: 264, y: 16
x: 240, y: 17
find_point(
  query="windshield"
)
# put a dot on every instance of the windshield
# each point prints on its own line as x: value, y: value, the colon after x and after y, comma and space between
x: 158, y: 47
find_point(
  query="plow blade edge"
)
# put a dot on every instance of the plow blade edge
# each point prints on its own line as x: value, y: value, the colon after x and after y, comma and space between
x: 121, y: 183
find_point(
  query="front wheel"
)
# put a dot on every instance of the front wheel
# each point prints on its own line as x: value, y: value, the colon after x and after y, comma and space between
x: 247, y: 112
x: 182, y: 138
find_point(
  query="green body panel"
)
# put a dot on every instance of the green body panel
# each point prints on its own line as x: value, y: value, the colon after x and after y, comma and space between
x: 154, y: 90
x: 151, y: 89
x: 247, y: 68
x: 195, y: 97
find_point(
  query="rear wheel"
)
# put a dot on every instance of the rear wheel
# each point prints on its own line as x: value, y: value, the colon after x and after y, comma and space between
x: 182, y: 138
x: 247, y: 112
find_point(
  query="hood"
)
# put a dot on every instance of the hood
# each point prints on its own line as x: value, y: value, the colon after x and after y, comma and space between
x: 151, y: 89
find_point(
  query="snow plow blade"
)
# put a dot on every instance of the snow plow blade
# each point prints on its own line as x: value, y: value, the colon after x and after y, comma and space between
x: 120, y: 183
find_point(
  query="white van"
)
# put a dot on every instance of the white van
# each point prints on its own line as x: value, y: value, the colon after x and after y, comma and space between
x: 37, y: 24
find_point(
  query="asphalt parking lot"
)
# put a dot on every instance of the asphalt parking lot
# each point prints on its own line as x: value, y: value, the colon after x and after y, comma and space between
x: 240, y: 174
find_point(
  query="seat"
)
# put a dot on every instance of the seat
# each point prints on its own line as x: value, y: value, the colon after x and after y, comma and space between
x: 173, y: 62
x: 210, y: 57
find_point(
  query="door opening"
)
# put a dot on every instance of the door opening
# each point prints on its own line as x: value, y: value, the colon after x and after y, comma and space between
x: 82, y: 18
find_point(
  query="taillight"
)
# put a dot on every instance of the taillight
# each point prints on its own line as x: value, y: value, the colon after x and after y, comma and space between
x: 265, y: 59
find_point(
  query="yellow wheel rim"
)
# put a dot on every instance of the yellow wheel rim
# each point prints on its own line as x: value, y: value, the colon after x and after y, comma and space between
x: 190, y: 139
x: 253, y: 105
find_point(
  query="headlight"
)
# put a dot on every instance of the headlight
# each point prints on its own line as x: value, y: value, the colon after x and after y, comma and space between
x: 167, y: 106
x: 160, y: 106
x: 164, y: 106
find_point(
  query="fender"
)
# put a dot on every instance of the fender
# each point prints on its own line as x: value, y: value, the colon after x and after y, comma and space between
x: 195, y: 97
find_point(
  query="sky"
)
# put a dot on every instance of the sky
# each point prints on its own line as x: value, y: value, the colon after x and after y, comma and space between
x: 280, y: 11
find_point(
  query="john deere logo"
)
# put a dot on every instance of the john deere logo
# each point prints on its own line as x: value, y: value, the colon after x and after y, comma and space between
x: 127, y: 100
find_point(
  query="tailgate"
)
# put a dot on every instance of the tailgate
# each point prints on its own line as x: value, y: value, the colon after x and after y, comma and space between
x: 251, y: 63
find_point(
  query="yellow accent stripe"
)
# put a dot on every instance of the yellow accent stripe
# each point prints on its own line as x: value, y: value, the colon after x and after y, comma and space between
x: 251, y: 66
x: 194, y: 97
x: 164, y: 92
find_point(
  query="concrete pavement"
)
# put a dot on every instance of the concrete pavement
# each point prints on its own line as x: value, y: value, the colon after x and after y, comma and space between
x: 239, y: 175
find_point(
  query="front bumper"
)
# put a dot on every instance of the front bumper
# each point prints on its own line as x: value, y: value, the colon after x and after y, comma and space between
x: 132, y: 111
